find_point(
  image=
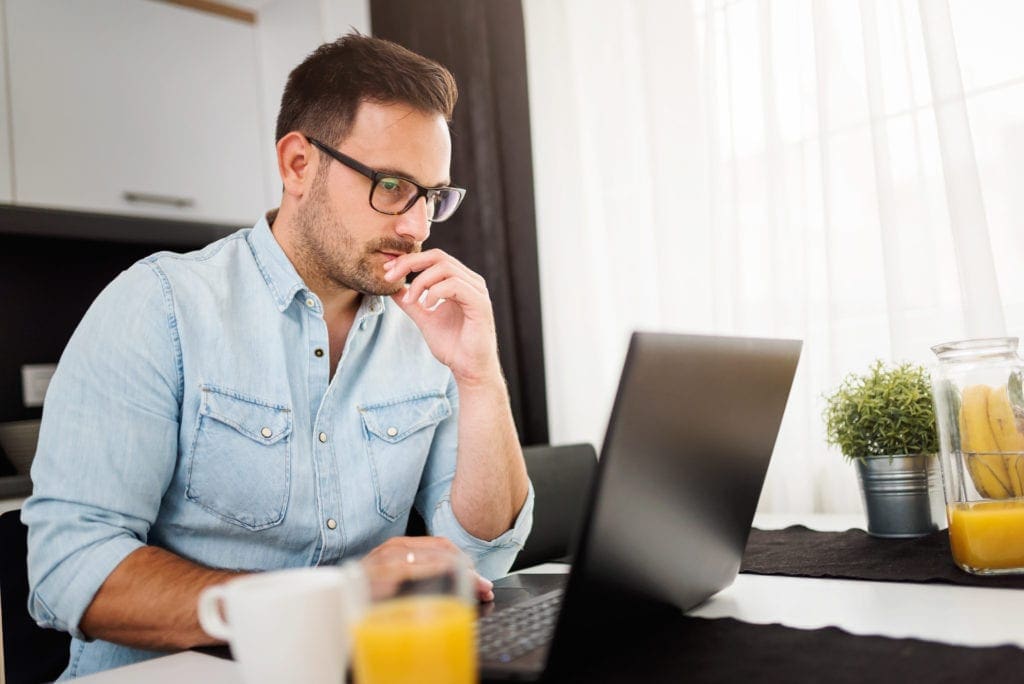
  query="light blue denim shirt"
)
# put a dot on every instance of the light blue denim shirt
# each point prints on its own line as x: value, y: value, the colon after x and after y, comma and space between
x: 193, y: 410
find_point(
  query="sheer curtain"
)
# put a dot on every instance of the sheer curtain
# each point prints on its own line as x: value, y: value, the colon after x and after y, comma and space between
x: 840, y: 172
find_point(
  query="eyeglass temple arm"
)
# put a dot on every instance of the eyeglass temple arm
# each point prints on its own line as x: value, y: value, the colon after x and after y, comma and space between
x: 344, y: 159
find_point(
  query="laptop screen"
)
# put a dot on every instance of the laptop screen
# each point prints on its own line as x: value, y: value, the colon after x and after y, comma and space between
x: 685, y: 455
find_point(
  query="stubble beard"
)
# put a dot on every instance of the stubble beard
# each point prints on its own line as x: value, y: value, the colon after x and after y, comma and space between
x: 331, y: 255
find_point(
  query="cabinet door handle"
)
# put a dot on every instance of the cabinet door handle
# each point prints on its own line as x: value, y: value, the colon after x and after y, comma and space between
x: 151, y: 198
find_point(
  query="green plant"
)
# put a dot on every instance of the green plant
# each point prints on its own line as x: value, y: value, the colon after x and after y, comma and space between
x: 887, y: 410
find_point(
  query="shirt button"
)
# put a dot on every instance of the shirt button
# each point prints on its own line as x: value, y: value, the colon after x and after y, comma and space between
x: 392, y: 431
x: 318, y: 352
x: 362, y: 325
x: 322, y: 437
x: 331, y: 524
x: 373, y: 306
x: 267, y: 432
x: 310, y: 303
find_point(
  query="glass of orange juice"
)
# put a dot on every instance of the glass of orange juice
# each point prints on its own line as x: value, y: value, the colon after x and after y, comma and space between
x: 421, y: 623
x: 978, y: 389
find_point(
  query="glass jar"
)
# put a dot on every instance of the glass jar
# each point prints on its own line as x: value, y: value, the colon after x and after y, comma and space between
x: 979, y: 407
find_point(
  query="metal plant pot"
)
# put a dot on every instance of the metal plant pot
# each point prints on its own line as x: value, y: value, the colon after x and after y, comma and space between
x: 902, y: 494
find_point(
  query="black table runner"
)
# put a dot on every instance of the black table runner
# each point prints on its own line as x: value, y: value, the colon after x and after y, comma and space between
x: 854, y: 554
x: 720, y: 650
x: 727, y: 650
x: 700, y: 650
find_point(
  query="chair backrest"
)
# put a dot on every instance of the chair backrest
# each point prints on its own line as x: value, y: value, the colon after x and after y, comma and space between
x: 561, y: 477
x: 31, y: 653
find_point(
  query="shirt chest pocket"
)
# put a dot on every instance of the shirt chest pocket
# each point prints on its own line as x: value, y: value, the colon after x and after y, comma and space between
x: 240, y: 461
x: 398, y: 435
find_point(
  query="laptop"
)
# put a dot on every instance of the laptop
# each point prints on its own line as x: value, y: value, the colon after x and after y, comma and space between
x: 685, y: 455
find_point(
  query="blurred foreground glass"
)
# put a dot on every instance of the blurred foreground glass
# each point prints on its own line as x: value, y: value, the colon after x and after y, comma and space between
x: 421, y: 625
x: 979, y: 407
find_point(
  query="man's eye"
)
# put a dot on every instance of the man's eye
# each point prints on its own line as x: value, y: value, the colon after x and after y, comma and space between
x: 390, y: 184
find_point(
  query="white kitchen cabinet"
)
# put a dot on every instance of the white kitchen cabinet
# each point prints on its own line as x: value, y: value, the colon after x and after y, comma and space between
x: 6, y: 190
x: 135, y: 107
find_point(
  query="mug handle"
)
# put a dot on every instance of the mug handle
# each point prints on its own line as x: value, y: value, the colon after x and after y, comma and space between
x: 210, y: 601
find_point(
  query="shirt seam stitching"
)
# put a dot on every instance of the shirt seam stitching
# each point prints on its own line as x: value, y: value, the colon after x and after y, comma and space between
x: 258, y: 258
x: 204, y: 254
x: 172, y: 325
x: 428, y: 394
x: 73, y: 669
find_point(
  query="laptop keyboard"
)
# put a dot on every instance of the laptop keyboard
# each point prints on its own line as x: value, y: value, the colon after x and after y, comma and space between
x: 509, y: 633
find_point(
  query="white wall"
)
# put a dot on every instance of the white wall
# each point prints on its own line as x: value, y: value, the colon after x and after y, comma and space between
x: 288, y: 30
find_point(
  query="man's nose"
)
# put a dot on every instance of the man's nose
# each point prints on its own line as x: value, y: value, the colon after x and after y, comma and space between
x: 414, y: 223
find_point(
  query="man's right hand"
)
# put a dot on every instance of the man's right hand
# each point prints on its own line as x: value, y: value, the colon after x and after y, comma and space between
x: 402, y: 558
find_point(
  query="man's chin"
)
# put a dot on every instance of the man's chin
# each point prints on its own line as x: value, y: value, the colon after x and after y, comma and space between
x: 391, y: 289
x: 381, y: 288
x: 368, y: 281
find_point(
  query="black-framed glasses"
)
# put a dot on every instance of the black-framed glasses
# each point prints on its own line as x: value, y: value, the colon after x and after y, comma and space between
x: 391, y: 194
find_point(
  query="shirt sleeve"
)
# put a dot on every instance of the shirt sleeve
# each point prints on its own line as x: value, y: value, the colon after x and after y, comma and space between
x: 492, y: 558
x: 107, y: 446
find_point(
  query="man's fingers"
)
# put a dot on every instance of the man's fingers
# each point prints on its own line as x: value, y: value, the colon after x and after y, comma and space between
x: 427, y: 279
x: 398, y: 548
x: 421, y: 261
x: 484, y: 588
x: 453, y: 289
x: 404, y: 264
x: 442, y: 543
x: 410, y: 558
x: 439, y: 272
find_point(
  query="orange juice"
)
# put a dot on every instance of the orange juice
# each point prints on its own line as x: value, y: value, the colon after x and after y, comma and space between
x: 987, y: 535
x: 421, y: 639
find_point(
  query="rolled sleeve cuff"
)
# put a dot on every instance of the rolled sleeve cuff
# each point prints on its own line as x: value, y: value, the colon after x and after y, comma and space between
x: 62, y: 599
x: 492, y: 558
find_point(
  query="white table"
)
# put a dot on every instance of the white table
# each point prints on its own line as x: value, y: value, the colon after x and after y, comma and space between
x: 968, y: 616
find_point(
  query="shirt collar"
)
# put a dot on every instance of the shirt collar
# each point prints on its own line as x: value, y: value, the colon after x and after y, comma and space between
x: 282, y: 278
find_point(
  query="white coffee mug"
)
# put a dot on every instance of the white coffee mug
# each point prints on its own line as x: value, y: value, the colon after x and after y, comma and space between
x: 288, y: 625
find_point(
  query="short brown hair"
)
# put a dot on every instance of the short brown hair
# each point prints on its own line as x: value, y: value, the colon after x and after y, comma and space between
x: 323, y: 93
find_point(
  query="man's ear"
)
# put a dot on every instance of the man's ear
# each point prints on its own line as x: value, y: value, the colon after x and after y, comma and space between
x: 295, y: 164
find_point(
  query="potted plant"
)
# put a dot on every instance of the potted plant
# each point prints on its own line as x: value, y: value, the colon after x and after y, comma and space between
x: 884, y: 419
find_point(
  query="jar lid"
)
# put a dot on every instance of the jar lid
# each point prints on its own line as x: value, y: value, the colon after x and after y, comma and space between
x: 973, y: 349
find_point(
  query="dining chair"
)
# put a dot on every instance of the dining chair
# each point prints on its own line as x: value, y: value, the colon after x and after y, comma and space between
x: 30, y: 653
x: 561, y: 477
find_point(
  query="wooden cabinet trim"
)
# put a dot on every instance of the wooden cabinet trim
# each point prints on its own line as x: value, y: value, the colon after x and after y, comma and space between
x: 219, y: 8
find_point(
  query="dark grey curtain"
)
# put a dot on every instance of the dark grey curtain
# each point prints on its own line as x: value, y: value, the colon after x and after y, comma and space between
x: 481, y: 42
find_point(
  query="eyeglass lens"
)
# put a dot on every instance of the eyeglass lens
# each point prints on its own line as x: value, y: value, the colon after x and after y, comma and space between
x: 394, y: 195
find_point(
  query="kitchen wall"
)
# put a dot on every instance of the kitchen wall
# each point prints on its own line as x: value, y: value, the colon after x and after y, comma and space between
x: 46, y: 285
x: 47, y: 282
x: 288, y: 31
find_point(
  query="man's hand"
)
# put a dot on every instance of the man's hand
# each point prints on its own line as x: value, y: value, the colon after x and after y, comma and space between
x: 403, y: 558
x: 457, y: 322
x: 460, y: 329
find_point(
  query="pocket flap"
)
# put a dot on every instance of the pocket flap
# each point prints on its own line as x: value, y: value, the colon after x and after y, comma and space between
x: 261, y: 421
x: 393, y: 421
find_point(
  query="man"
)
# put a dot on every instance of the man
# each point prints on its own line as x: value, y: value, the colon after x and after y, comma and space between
x: 281, y: 398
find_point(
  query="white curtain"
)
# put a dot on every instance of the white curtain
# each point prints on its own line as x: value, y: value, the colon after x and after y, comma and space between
x: 836, y: 171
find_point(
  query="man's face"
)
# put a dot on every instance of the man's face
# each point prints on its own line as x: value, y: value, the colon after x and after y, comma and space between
x: 341, y: 238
